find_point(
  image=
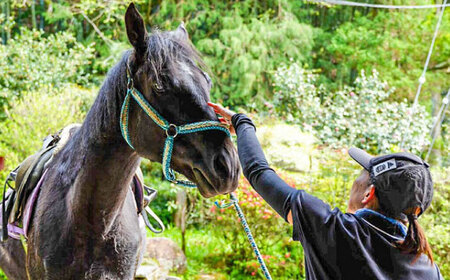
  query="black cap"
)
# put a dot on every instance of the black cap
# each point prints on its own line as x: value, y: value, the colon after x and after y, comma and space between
x: 402, y: 180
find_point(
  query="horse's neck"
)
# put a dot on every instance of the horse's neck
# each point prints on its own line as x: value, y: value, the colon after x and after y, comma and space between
x: 100, y: 188
x: 103, y: 163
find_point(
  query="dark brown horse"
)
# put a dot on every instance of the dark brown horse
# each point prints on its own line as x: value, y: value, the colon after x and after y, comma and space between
x: 85, y: 224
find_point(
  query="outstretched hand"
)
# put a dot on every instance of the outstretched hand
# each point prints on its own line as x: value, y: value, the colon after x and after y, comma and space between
x: 225, y: 114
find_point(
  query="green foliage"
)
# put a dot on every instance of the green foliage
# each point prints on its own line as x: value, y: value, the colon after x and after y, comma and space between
x: 243, y: 55
x: 287, y: 147
x: 395, y: 45
x: 355, y: 116
x: 37, y: 115
x: 245, y: 40
x: 31, y: 61
x: 435, y: 220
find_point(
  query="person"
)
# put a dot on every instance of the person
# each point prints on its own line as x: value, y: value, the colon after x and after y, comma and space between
x: 371, y: 240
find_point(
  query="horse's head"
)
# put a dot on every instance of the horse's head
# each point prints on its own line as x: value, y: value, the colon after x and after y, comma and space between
x: 165, y: 69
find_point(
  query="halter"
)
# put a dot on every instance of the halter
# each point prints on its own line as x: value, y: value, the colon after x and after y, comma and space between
x: 171, y: 130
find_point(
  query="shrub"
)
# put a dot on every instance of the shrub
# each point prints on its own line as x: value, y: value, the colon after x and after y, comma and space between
x: 37, y: 115
x: 356, y: 116
x: 31, y: 61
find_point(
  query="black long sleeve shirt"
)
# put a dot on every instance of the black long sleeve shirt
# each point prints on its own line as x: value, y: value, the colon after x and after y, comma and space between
x: 336, y: 245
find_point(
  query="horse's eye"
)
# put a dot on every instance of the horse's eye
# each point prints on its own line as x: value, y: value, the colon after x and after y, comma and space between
x: 158, y: 88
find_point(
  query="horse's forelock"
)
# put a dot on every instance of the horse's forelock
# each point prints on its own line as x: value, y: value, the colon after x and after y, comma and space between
x: 171, y: 56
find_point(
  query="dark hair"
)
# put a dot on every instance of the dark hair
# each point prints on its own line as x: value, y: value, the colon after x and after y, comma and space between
x: 415, y: 241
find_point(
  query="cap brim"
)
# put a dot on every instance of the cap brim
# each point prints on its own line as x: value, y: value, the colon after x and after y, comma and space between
x: 361, y: 157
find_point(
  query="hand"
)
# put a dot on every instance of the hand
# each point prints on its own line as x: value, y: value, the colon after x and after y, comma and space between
x: 225, y: 113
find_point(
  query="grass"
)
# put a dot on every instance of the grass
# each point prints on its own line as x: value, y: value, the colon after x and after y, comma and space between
x: 202, y: 250
x: 209, y: 252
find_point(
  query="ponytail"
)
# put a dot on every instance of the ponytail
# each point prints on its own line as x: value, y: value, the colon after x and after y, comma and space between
x: 415, y: 241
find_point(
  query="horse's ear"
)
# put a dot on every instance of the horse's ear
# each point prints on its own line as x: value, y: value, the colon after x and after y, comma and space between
x: 136, y: 31
x: 181, y: 32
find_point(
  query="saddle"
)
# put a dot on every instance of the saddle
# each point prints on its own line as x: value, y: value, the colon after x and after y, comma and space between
x: 19, y: 201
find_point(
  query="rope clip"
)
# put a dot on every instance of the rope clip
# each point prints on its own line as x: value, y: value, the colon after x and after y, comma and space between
x: 223, y: 205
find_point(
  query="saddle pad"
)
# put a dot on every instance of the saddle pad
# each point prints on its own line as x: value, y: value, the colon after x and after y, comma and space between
x: 31, y: 169
x: 30, y: 173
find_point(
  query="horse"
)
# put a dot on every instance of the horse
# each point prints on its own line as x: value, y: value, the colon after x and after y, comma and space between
x: 85, y: 224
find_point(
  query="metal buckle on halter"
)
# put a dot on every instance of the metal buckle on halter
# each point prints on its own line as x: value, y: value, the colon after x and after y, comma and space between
x: 130, y: 83
x: 173, y: 128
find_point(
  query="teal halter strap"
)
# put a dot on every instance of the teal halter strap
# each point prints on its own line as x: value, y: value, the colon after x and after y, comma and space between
x: 172, y: 130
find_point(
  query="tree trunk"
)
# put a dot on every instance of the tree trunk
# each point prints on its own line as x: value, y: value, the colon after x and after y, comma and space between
x: 33, y: 14
x: 8, y: 13
x: 41, y: 16
x: 180, y: 216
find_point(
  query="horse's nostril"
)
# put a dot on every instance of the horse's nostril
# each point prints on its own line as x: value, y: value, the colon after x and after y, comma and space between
x: 221, y: 165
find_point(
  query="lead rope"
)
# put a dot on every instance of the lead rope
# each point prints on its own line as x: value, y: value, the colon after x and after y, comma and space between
x: 172, y: 132
x: 235, y: 202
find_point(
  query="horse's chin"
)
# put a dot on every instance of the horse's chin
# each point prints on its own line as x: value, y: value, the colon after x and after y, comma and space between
x: 205, y: 188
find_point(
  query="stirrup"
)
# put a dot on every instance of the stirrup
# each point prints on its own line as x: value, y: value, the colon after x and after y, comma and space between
x: 7, y: 204
x: 151, y: 195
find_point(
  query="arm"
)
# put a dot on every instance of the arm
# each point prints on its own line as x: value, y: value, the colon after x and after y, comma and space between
x: 257, y: 170
x: 254, y: 164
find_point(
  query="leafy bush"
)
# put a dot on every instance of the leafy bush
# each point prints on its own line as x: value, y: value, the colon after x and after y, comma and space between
x: 37, y: 115
x: 31, y: 61
x: 356, y: 116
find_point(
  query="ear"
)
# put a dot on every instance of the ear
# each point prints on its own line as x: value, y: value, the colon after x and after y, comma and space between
x: 135, y: 29
x: 369, y: 195
x: 181, y: 32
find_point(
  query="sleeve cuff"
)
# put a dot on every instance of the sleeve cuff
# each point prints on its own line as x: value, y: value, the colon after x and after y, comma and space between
x: 239, y: 119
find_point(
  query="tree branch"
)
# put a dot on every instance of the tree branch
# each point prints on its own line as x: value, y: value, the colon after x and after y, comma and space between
x: 100, y: 33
